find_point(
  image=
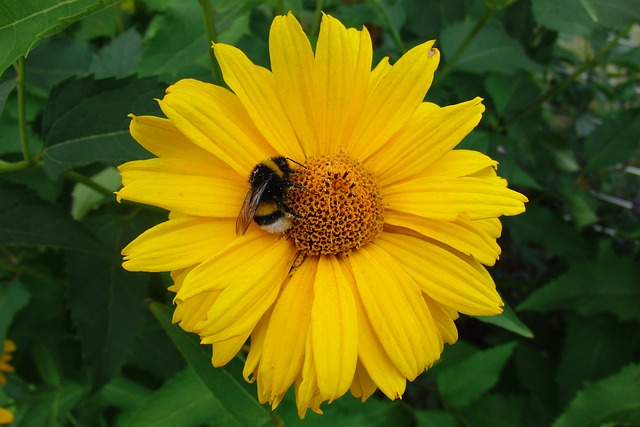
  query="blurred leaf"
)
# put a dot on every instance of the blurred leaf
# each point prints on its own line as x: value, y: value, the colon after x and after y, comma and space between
x: 28, y: 220
x: 558, y: 150
x: 542, y: 226
x: 240, y: 407
x: 509, y: 321
x: 46, y: 363
x: 13, y: 297
x: 594, y: 347
x: 84, y: 198
x: 582, y: 203
x: 496, y: 410
x: 616, y: 140
x: 102, y: 107
x: 591, y: 11
x: 103, y: 23
x: 611, y: 401
x: 511, y: 93
x: 24, y: 23
x: 608, y: 285
x: 119, y: 58
x: 182, y: 401
x: 436, y: 419
x: 7, y: 83
x: 467, y: 381
x: 491, y: 50
x: 125, y: 393
x: 107, y: 302
x: 50, y: 406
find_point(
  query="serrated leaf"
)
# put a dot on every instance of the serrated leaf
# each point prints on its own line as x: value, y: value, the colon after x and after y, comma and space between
x: 24, y: 23
x: 50, y: 406
x: 465, y: 382
x: 616, y: 140
x: 27, y: 220
x: 594, y: 347
x: 607, y: 285
x: 611, y: 401
x: 509, y: 321
x: 491, y: 50
x: 119, y: 58
x: 106, y: 302
x: 241, y: 408
x: 13, y: 297
x: 182, y: 401
x: 102, y: 107
x: 511, y: 93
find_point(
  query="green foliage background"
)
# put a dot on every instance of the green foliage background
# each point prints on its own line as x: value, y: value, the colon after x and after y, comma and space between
x: 561, y: 82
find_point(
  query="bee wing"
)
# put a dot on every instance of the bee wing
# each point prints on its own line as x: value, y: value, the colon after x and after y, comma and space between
x: 248, y: 209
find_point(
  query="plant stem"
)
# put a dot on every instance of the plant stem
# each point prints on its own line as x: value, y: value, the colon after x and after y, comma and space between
x: 394, y: 31
x: 486, y: 15
x: 317, y: 17
x: 560, y: 86
x: 212, y: 35
x: 77, y: 177
x: 22, y: 113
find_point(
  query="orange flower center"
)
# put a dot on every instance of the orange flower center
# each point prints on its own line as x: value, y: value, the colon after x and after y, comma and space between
x: 341, y: 207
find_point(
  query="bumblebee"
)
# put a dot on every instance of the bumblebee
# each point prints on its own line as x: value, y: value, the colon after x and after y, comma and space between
x: 266, y: 201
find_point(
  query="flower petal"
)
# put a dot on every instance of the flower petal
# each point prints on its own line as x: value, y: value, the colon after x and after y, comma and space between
x: 394, y: 100
x: 462, y: 234
x: 161, y: 137
x: 256, y: 89
x: 445, y: 275
x: 286, y: 337
x: 334, y: 329
x: 213, y: 118
x: 430, y: 134
x: 160, y: 182
x: 446, y: 198
x: 363, y: 386
x: 177, y: 243
x: 443, y: 320
x: 246, y: 292
x: 224, y: 351
x: 292, y: 66
x: 306, y: 386
x: 342, y: 69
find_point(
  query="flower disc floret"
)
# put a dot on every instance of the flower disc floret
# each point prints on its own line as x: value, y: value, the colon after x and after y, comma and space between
x: 341, y: 207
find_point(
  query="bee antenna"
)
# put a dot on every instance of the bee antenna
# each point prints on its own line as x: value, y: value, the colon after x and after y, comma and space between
x: 297, y: 163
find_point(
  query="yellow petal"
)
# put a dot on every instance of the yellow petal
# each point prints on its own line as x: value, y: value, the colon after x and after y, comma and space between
x: 292, y: 66
x: 334, y: 329
x: 443, y: 320
x: 246, y: 292
x: 258, y: 335
x: 177, y: 243
x: 6, y: 416
x: 213, y: 118
x: 459, y: 163
x: 378, y: 73
x: 306, y: 385
x: 426, y: 137
x: 462, y: 234
x: 147, y: 181
x: 161, y: 137
x: 446, y: 198
x: 342, y: 68
x: 256, y: 89
x: 286, y: 337
x: 363, y: 386
x: 396, y: 310
x: 191, y: 311
x: 394, y: 100
x: 447, y: 276
x: 224, y: 351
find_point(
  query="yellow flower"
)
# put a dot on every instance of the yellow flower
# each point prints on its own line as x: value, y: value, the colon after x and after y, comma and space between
x: 391, y: 226
x: 6, y: 416
x: 5, y: 358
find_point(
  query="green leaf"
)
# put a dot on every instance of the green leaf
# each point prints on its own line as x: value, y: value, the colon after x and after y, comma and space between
x: 84, y: 199
x: 7, y: 84
x: 436, y: 419
x: 125, y: 393
x: 496, y: 410
x: 467, y: 381
x: 582, y: 203
x: 50, y: 406
x: 24, y: 23
x: 27, y: 220
x: 611, y: 401
x: 491, y: 50
x: 511, y: 93
x: 102, y: 107
x: 241, y: 407
x: 119, y: 58
x: 594, y: 347
x: 182, y: 401
x: 13, y: 297
x: 606, y: 285
x: 616, y: 140
x: 509, y: 321
x: 106, y: 302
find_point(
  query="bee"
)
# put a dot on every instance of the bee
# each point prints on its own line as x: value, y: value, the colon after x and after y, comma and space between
x: 266, y: 201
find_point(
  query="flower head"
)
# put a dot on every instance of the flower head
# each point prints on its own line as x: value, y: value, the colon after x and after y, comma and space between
x: 5, y: 358
x: 6, y: 416
x: 389, y: 226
